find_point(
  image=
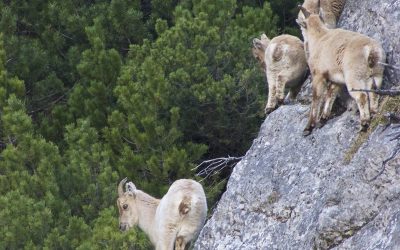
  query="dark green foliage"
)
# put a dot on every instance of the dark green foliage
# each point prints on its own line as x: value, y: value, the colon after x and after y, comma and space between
x: 287, y: 11
x: 93, y: 91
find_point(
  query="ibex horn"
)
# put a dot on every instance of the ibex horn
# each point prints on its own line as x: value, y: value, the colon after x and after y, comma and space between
x: 121, y: 187
x: 306, y: 13
x: 255, y: 42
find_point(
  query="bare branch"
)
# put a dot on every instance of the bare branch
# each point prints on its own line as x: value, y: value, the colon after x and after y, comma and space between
x: 9, y: 60
x: 64, y: 35
x: 60, y: 98
x: 388, y: 92
x: 214, y: 166
x: 389, y: 65
x: 52, y: 103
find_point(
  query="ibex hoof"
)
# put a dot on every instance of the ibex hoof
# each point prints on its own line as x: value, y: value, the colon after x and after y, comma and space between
x: 322, y: 122
x: 307, y: 132
x: 269, y: 110
x: 364, y: 126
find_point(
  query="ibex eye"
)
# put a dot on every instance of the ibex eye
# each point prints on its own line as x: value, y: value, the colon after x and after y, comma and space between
x: 125, y: 206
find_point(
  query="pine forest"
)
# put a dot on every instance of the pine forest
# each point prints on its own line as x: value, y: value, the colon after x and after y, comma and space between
x: 95, y: 91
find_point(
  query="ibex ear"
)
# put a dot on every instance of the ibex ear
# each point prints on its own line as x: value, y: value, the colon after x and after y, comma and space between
x: 264, y: 37
x: 305, y: 12
x: 130, y: 189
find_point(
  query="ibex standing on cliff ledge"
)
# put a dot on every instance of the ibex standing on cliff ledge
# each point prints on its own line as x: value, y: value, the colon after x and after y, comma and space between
x: 284, y: 63
x: 341, y: 57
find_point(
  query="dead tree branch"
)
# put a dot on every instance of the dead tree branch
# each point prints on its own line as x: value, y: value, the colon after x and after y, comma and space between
x: 389, y: 65
x: 388, y: 92
x: 214, y: 166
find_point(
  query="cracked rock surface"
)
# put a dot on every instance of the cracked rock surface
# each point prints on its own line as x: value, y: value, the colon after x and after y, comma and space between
x: 291, y: 192
x: 320, y: 191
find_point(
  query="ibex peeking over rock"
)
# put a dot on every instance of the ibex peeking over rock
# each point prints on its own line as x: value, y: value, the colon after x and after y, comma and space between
x: 285, y: 65
x: 341, y: 57
x: 172, y: 222
x: 330, y: 11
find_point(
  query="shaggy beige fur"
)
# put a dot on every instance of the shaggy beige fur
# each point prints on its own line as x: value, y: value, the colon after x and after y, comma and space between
x: 284, y: 63
x: 341, y: 57
x: 172, y: 222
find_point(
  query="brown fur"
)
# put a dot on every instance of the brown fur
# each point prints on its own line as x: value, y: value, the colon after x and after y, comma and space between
x: 373, y: 58
x: 184, y: 206
x: 180, y: 243
x: 339, y: 55
x: 277, y: 54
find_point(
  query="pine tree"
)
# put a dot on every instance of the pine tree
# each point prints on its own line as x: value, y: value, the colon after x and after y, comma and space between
x: 28, y: 173
x: 93, y: 91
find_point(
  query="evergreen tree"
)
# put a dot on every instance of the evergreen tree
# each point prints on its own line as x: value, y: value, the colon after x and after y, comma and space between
x: 93, y: 91
x: 30, y: 202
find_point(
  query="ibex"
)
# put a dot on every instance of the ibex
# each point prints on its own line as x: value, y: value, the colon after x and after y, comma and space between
x: 172, y: 222
x: 285, y: 65
x: 330, y: 11
x: 341, y: 57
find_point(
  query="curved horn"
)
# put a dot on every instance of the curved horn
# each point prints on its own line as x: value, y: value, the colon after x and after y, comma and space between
x: 255, y: 42
x: 306, y: 13
x: 121, y: 187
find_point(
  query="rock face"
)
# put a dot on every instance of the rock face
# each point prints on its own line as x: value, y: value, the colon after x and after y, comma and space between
x: 291, y: 192
x: 329, y: 190
x: 381, y: 21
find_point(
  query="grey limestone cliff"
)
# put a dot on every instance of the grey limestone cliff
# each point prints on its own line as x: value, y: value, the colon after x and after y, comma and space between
x: 329, y: 190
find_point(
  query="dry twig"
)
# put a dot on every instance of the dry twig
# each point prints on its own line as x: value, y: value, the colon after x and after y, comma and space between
x: 388, y: 92
x: 389, y: 65
x: 214, y: 166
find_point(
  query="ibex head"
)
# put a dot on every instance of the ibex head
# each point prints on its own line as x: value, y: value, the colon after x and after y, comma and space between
x: 126, y: 202
x: 314, y: 19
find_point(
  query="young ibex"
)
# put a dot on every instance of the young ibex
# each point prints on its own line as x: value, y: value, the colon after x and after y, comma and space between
x: 175, y: 220
x: 285, y: 65
x: 343, y: 57
x: 330, y: 11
